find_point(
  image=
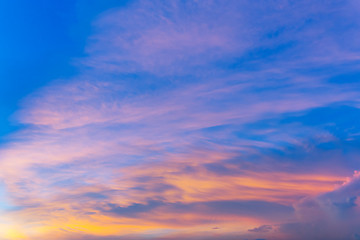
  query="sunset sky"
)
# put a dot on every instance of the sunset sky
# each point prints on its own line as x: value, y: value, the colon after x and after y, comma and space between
x: 173, y: 120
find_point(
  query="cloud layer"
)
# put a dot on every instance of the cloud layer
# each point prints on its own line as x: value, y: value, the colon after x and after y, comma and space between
x: 191, y: 119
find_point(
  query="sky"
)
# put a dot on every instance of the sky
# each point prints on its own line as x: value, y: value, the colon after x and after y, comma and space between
x: 169, y: 120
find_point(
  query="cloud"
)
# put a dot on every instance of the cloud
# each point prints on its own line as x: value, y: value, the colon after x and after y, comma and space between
x: 188, y: 113
x: 258, y: 209
x: 262, y: 229
x: 332, y: 215
x: 166, y: 38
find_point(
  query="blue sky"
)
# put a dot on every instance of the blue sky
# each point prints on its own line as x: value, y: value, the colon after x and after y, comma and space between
x: 240, y: 118
x: 36, y: 43
x: 39, y: 41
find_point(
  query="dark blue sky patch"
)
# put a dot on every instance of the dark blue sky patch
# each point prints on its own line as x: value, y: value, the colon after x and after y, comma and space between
x: 346, y: 78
